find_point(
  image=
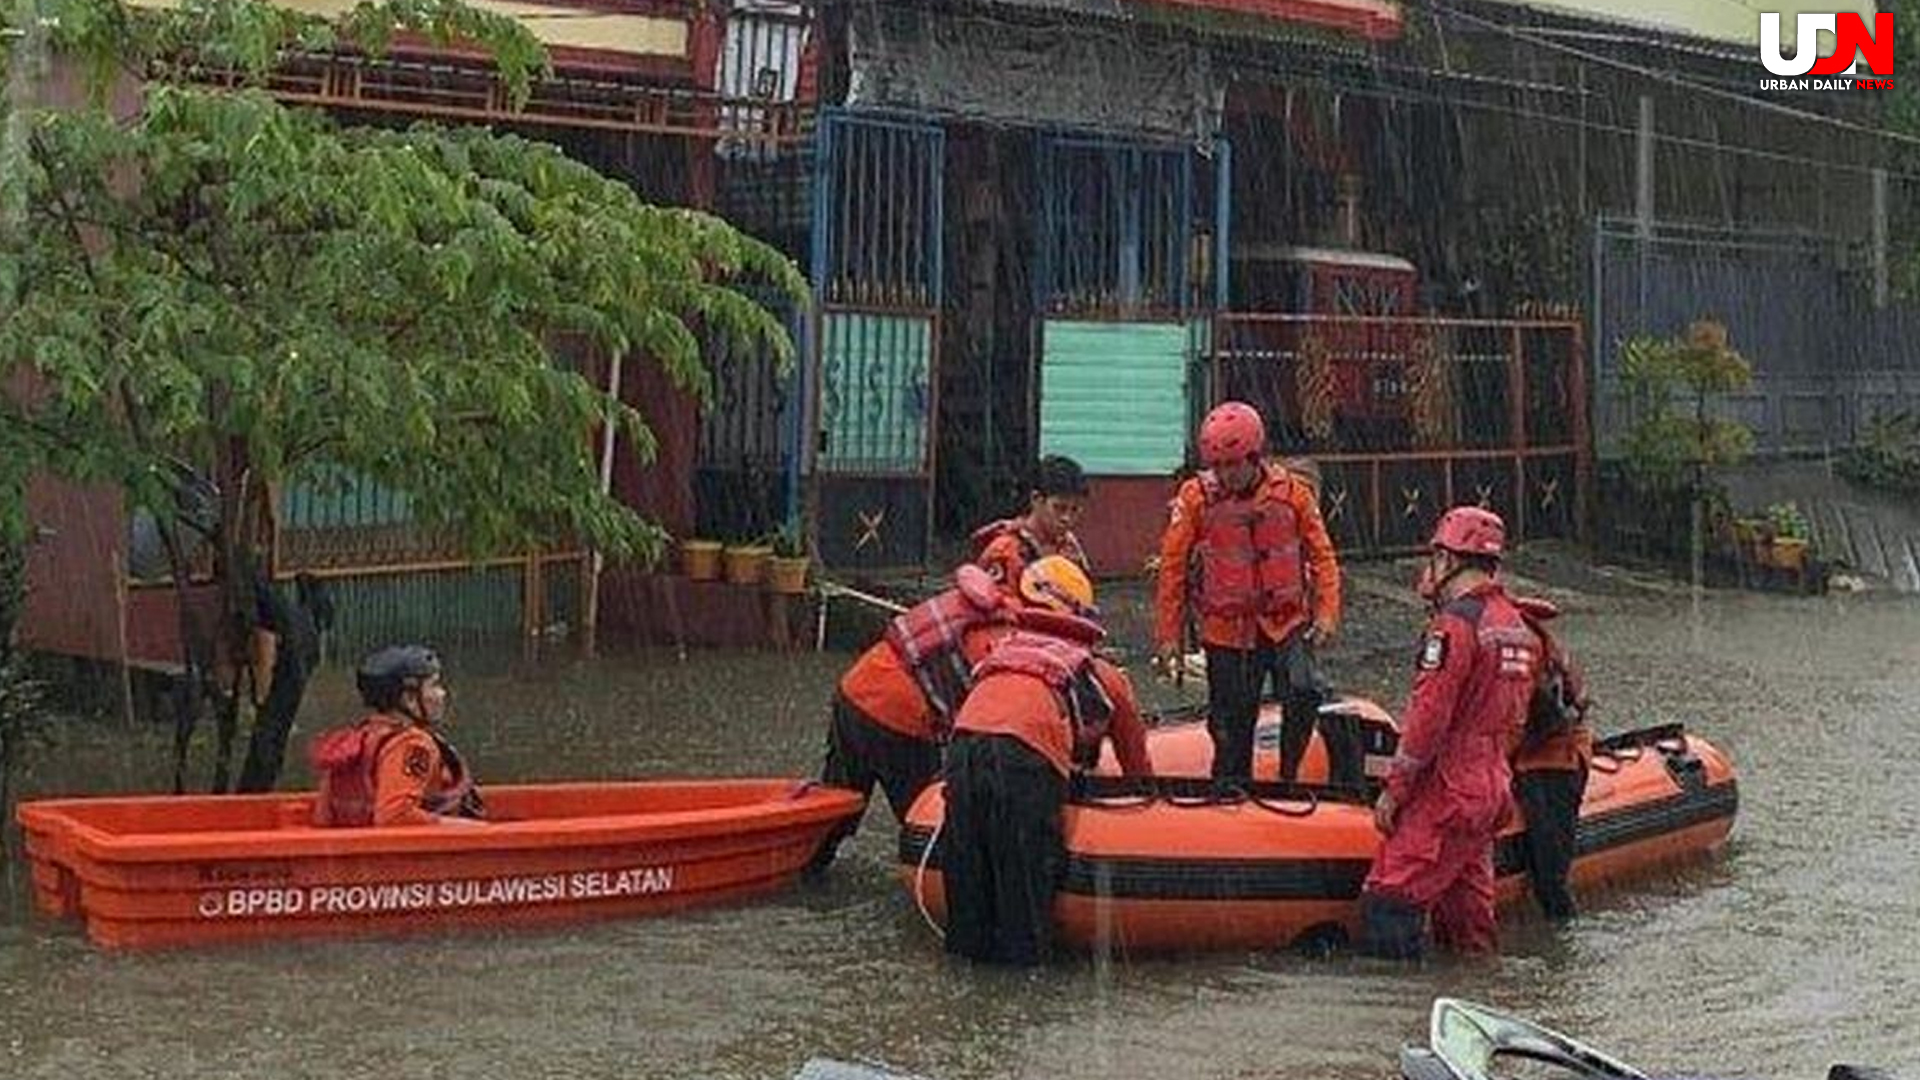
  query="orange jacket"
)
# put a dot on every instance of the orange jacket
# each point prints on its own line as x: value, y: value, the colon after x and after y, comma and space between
x: 879, y: 685
x: 408, y: 772
x: 1015, y: 544
x: 1172, y: 595
x: 1027, y: 709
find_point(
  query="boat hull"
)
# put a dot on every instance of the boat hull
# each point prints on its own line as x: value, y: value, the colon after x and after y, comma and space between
x: 155, y: 872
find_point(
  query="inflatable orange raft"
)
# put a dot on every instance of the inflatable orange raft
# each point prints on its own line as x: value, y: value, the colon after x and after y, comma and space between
x: 159, y: 871
x: 1171, y: 864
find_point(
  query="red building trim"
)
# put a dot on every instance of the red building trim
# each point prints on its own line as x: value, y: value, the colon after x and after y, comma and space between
x: 1369, y: 19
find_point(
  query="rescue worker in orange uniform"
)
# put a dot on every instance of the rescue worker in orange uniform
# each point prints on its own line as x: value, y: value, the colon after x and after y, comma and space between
x: 1054, y: 505
x: 394, y: 767
x: 1043, y: 706
x: 1268, y: 592
x: 1447, y: 791
x: 1550, y: 760
x: 893, y: 709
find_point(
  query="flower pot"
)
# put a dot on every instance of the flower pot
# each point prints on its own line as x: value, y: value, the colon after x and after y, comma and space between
x: 747, y: 564
x: 1789, y: 553
x: 700, y: 559
x: 787, y: 575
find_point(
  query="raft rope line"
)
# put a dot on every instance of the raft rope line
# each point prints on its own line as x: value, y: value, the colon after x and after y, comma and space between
x: 830, y: 589
x: 920, y: 881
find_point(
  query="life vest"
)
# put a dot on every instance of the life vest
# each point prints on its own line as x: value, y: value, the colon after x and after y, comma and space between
x: 461, y: 796
x: 930, y: 639
x: 1559, y: 702
x: 1057, y: 649
x: 1031, y: 550
x: 347, y: 758
x: 1249, y: 552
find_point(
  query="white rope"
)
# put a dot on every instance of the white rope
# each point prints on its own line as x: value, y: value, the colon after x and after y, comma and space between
x: 920, y: 882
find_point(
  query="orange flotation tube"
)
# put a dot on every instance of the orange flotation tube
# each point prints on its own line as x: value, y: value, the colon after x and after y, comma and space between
x: 1172, y: 865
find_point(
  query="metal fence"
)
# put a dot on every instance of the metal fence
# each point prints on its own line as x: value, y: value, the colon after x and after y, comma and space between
x: 1407, y: 416
x: 1798, y: 306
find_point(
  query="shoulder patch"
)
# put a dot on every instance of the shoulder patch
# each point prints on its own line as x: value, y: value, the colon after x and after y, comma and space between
x: 418, y: 762
x: 1433, y: 650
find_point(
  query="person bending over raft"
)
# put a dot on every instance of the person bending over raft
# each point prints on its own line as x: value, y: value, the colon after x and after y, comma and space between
x: 893, y: 709
x: 393, y: 767
x: 1043, y: 705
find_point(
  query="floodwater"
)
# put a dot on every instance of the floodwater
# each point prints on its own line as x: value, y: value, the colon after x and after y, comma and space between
x: 1796, y: 950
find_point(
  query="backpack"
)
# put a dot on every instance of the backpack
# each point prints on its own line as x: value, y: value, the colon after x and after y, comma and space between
x: 1559, y: 702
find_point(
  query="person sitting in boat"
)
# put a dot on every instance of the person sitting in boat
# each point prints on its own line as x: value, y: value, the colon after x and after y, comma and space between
x: 1448, y: 788
x: 1007, y: 547
x: 893, y: 708
x: 1043, y: 705
x: 393, y: 766
x: 1550, y: 759
x: 1267, y: 595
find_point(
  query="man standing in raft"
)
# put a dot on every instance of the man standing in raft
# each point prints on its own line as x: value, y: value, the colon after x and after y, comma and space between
x: 1256, y: 538
x: 393, y: 767
x: 1054, y: 506
x: 894, y: 707
x: 1043, y: 706
x: 1447, y: 791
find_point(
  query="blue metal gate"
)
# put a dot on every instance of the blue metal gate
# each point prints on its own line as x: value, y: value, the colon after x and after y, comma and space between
x: 874, y: 347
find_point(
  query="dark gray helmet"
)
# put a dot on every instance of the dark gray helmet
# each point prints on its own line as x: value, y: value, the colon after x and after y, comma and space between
x: 385, y: 674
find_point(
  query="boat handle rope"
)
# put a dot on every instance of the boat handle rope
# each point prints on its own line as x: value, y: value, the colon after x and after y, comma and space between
x: 920, y: 881
x: 1232, y: 796
x: 1129, y: 803
x: 1279, y: 806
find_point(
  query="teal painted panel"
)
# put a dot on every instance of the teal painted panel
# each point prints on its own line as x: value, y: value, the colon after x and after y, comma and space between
x: 1113, y: 396
x: 342, y: 502
x: 448, y: 609
x: 876, y: 373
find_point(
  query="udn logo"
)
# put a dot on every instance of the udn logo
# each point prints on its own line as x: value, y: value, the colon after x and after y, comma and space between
x: 1850, y: 36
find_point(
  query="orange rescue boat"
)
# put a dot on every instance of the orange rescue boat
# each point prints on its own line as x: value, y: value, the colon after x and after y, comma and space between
x: 156, y: 871
x: 1174, y: 864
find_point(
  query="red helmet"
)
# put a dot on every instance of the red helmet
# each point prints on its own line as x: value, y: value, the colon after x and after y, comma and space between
x: 1232, y: 432
x: 1471, y: 530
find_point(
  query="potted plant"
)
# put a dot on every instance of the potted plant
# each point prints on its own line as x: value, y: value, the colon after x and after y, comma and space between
x: 1791, y: 535
x: 700, y: 559
x: 747, y: 561
x: 787, y: 569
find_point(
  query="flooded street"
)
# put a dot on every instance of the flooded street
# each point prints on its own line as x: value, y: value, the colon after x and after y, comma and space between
x: 1795, y: 951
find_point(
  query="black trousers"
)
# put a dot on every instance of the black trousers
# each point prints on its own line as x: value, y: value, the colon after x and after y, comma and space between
x: 1001, y: 849
x: 1236, y: 679
x: 862, y: 753
x: 1550, y: 799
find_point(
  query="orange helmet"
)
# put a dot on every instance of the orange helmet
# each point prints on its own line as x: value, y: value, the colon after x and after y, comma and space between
x: 1057, y: 582
x: 1471, y: 530
x: 1232, y: 432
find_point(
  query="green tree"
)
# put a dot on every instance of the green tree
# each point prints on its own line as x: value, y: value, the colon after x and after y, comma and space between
x: 211, y: 296
x: 1670, y: 385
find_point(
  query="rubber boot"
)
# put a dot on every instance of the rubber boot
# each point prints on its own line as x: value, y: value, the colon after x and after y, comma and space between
x: 1391, y: 929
